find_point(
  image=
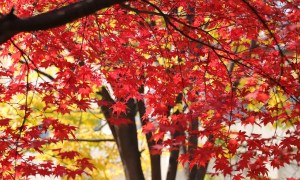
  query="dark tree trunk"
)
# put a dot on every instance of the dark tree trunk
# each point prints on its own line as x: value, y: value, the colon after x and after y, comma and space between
x: 196, y: 173
x: 154, y: 158
x: 173, y: 163
x: 126, y: 138
x: 201, y: 172
x: 193, y: 142
x: 155, y: 167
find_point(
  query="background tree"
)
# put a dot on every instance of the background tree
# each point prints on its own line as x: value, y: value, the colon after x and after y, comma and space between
x: 196, y: 74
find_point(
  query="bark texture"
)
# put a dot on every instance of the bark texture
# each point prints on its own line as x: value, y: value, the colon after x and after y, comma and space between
x: 125, y: 137
x: 11, y: 25
x: 154, y: 158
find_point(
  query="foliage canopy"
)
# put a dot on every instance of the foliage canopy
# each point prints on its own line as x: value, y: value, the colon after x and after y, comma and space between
x: 199, y: 73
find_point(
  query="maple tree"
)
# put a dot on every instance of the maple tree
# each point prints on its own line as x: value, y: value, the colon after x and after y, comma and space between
x: 196, y: 74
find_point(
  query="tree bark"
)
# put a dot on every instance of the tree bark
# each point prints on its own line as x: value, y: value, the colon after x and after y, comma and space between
x: 11, y: 25
x: 201, y: 172
x: 193, y: 142
x: 173, y: 163
x: 154, y: 158
x: 126, y: 138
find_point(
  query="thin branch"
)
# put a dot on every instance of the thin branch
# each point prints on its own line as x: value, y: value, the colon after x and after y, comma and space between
x: 167, y: 20
x: 264, y: 23
x: 26, y: 112
x: 91, y: 140
x: 169, y: 17
x: 41, y: 72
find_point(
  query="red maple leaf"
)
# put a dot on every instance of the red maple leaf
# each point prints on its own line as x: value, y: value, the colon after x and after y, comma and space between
x: 68, y: 154
x: 4, y: 121
x: 157, y: 136
x: 233, y: 145
x: 85, y: 163
x: 119, y: 107
x: 148, y: 127
x: 83, y: 104
x: 262, y: 97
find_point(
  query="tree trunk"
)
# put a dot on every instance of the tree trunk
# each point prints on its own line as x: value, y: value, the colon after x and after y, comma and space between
x: 193, y: 142
x: 197, y: 173
x: 154, y: 158
x: 173, y: 163
x: 201, y: 172
x: 126, y: 138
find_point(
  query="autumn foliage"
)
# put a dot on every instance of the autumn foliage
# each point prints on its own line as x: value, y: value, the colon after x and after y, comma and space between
x: 198, y: 73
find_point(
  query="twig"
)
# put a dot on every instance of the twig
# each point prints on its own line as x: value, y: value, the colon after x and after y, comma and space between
x: 91, y: 140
